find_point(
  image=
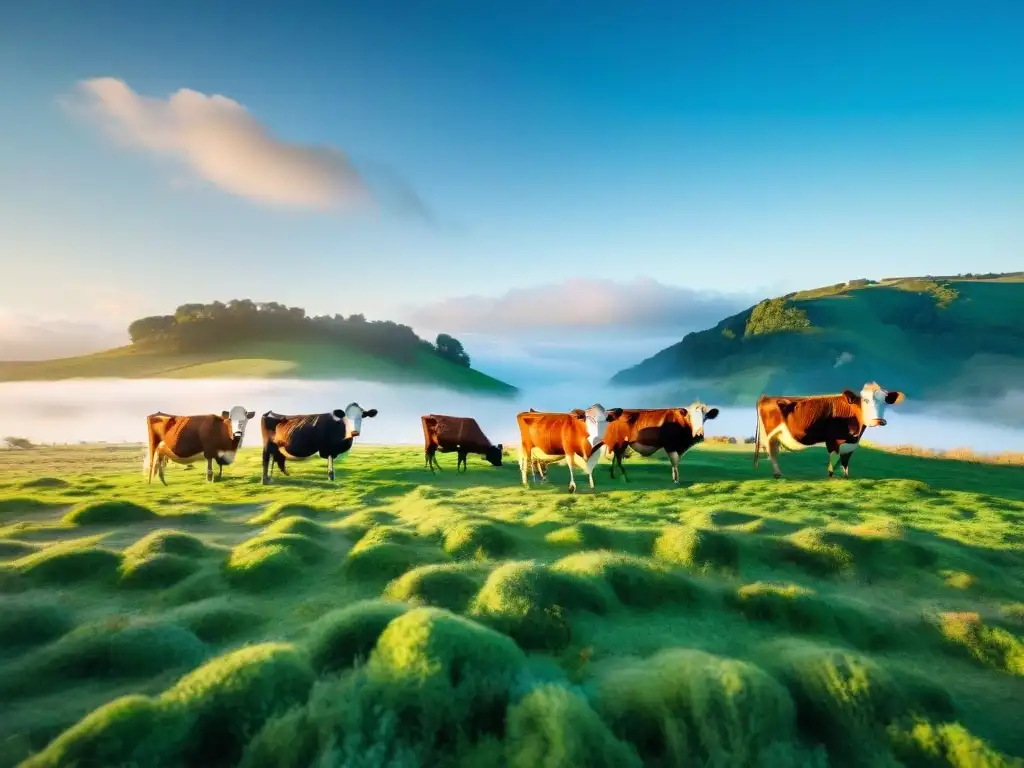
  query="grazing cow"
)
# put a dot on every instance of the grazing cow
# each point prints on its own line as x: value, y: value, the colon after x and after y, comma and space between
x: 838, y: 421
x: 650, y: 430
x: 187, y: 439
x: 300, y: 437
x: 577, y: 436
x: 456, y: 433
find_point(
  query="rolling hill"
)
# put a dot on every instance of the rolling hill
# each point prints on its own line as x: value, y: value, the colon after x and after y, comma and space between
x: 936, y: 338
x: 260, y: 360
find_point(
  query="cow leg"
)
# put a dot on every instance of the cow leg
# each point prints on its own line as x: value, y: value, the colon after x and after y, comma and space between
x: 570, y: 458
x: 833, y: 448
x: 209, y: 470
x: 618, y: 460
x: 160, y: 468
x: 773, y: 454
x: 268, y: 466
x: 220, y: 471
x: 673, y: 457
x: 524, y: 457
x: 844, y: 460
x: 330, y: 468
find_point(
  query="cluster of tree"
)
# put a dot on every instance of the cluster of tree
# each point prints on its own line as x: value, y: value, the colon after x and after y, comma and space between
x: 211, y: 327
x: 774, y: 315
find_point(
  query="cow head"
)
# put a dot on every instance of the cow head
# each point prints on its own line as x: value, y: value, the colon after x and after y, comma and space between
x: 236, y: 419
x: 699, y: 413
x: 596, y: 419
x: 493, y: 455
x: 352, y: 417
x: 873, y: 401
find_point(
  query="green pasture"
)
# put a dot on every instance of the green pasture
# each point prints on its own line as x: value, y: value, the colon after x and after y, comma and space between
x: 258, y: 361
x: 400, y: 618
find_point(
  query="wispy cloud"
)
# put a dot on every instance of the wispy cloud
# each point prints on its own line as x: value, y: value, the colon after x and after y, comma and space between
x: 221, y: 142
x: 583, y: 305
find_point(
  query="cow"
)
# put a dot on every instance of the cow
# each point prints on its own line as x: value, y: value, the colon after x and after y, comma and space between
x: 456, y: 433
x: 187, y: 439
x: 300, y: 437
x: 838, y: 421
x: 577, y: 436
x: 650, y: 430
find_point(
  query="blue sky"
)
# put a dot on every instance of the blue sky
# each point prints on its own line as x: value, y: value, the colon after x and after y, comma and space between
x: 737, y: 149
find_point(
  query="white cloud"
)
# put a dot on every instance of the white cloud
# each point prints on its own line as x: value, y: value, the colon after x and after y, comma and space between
x: 220, y: 141
x: 582, y: 305
x: 27, y: 337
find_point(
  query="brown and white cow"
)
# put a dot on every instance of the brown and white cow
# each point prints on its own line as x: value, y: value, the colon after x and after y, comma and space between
x: 575, y: 436
x: 456, y: 433
x: 649, y: 430
x: 838, y: 421
x: 187, y: 439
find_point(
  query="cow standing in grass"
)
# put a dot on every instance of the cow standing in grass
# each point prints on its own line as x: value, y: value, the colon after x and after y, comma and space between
x: 838, y: 421
x: 456, y: 433
x: 298, y: 438
x: 650, y: 430
x: 575, y: 436
x: 187, y: 439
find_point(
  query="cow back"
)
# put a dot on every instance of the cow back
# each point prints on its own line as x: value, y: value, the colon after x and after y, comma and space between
x: 191, y: 435
x: 459, y: 430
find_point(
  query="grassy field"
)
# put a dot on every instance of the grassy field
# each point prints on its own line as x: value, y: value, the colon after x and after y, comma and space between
x: 258, y: 361
x: 400, y: 618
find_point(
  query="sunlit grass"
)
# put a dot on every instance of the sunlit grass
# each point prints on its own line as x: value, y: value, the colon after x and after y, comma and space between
x: 422, y: 619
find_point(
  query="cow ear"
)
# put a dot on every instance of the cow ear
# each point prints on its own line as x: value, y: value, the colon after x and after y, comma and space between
x: 712, y: 414
x: 250, y: 414
x: 370, y: 413
x: 614, y: 413
x: 338, y: 413
x: 501, y: 447
x: 579, y: 413
x: 893, y: 397
x: 225, y: 415
x: 851, y: 396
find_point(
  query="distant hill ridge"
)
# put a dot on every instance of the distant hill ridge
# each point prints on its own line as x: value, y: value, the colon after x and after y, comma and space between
x: 935, y: 337
x: 245, y: 339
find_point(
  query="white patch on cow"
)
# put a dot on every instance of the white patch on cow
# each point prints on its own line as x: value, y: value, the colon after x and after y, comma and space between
x: 589, y: 464
x: 873, y: 405
x: 597, y: 424
x: 353, y: 421
x: 163, y: 451
x: 226, y: 457
x: 786, y: 439
x: 644, y: 450
x: 539, y: 455
x: 696, y: 413
x: 846, y: 448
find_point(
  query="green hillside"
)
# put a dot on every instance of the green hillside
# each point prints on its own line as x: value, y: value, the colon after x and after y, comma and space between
x: 242, y: 339
x: 935, y: 338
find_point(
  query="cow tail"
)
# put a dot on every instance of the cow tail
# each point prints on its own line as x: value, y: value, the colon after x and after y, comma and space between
x: 757, y: 431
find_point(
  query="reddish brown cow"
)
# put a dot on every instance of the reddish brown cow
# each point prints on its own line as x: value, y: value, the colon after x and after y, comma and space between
x: 577, y: 436
x: 456, y: 433
x: 838, y: 421
x: 650, y: 430
x: 187, y: 439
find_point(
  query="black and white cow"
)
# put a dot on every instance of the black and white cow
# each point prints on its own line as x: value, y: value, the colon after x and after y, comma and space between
x: 298, y: 438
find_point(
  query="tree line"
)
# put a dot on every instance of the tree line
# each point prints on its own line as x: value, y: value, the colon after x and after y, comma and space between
x: 216, y: 326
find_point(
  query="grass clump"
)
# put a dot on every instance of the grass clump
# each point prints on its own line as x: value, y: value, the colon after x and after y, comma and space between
x: 452, y: 672
x: 846, y: 700
x: 386, y: 552
x: 339, y: 638
x: 687, y: 707
x: 993, y: 647
x: 444, y: 585
x: 216, y: 620
x: 358, y: 523
x: 45, y: 483
x: 155, y: 571
x: 69, y: 562
x: 478, y: 539
x: 697, y: 548
x: 529, y: 601
x: 297, y: 524
x: 27, y: 623
x: 812, y: 550
x: 552, y: 726
x: 637, y: 581
x: 923, y: 744
x: 167, y: 541
x: 12, y: 548
x: 104, y: 651
x: 271, y: 560
x: 280, y: 510
x: 109, y: 513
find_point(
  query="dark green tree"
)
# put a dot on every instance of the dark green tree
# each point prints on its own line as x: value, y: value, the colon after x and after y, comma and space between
x: 451, y: 349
